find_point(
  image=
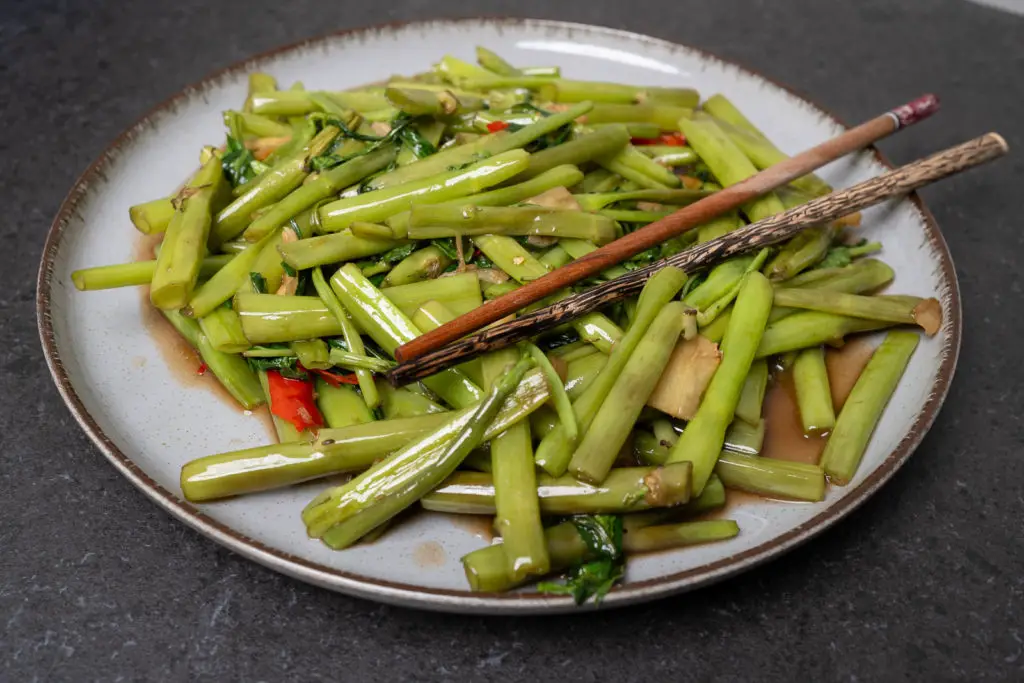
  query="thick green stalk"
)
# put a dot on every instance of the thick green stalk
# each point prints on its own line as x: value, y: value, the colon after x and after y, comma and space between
x: 318, y: 188
x: 515, y: 484
x: 597, y: 144
x: 641, y: 169
x: 400, y: 403
x: 225, y: 282
x: 708, y: 314
x: 423, y: 264
x: 184, y: 246
x: 559, y: 396
x: 335, y: 451
x: 670, y: 155
x: 353, y: 341
x: 864, y: 406
x: 571, y: 351
x: 262, y: 126
x: 260, y: 83
x: 614, y: 420
x: 745, y: 438
x: 341, y: 406
x: 756, y: 145
x: 422, y: 100
x: 556, y: 449
x: 751, y: 400
x: 231, y: 370
x: 811, y: 328
x: 366, y: 101
x: 560, y: 176
x: 223, y: 329
x: 341, y: 516
x: 599, y: 330
x: 377, y: 205
x: 716, y: 329
x: 459, y: 293
x: 282, y: 103
x: 901, y: 310
x: 376, y: 316
x: 564, y: 90
x: 601, y: 180
x: 494, y: 63
x: 270, y: 319
x: 721, y: 279
x: 555, y: 257
x: 268, y: 266
x: 334, y: 248
x: 152, y: 217
x: 668, y: 536
x: 271, y: 187
x: 727, y: 162
x: 864, y: 274
x: 431, y: 222
x: 711, y: 498
x: 678, y: 197
x: 635, y: 130
x: 581, y: 372
x: 800, y: 253
x: 312, y: 353
x: 665, y: 116
x: 138, y: 273
x: 511, y: 257
x: 625, y: 489
x: 487, y: 568
x: 771, y: 477
x: 813, y: 395
x: 704, y: 435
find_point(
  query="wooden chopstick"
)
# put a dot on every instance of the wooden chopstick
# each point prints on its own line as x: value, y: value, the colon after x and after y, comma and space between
x: 682, y: 220
x: 769, y: 231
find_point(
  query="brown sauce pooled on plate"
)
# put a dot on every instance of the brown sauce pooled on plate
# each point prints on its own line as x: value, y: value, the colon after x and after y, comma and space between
x: 180, y: 358
x: 429, y: 554
x: 844, y: 367
x: 784, y: 436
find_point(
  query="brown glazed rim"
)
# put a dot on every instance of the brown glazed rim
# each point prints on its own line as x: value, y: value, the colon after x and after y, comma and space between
x: 457, y: 600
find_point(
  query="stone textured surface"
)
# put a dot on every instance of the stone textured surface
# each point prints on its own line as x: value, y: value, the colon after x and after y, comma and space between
x: 923, y: 583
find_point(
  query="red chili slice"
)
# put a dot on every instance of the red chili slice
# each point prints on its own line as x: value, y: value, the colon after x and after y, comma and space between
x: 292, y: 400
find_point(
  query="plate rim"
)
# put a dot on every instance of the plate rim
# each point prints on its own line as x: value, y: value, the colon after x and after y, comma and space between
x: 465, y: 601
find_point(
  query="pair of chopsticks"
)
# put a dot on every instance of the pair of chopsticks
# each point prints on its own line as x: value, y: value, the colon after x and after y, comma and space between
x: 448, y: 345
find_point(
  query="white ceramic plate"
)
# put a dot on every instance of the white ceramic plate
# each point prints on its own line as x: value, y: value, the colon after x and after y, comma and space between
x: 148, y: 423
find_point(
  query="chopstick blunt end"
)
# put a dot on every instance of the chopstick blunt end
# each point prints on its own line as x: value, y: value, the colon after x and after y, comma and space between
x: 914, y: 111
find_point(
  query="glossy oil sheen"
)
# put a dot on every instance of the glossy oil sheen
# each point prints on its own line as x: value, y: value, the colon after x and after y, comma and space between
x: 148, y: 423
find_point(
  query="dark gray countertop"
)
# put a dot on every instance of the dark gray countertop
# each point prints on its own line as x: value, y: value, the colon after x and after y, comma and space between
x: 923, y: 583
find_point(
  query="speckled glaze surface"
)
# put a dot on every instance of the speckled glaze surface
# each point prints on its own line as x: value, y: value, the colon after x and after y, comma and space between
x: 138, y: 412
